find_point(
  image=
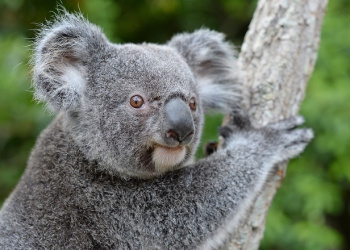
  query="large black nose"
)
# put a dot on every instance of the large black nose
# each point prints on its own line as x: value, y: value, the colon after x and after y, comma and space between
x: 179, y: 122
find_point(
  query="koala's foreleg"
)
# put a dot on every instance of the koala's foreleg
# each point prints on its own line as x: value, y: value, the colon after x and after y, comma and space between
x: 221, y: 187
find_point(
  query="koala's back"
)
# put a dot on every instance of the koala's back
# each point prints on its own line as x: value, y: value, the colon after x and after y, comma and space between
x: 67, y: 202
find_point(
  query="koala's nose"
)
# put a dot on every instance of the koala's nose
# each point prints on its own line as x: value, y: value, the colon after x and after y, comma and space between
x: 179, y: 122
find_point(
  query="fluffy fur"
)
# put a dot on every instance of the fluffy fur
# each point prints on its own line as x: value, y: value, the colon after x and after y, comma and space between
x: 96, y: 177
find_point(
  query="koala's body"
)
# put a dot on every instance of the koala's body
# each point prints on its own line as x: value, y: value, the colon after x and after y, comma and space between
x: 116, y: 169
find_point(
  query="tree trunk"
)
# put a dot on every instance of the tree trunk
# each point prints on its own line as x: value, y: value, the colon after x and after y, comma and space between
x: 278, y: 56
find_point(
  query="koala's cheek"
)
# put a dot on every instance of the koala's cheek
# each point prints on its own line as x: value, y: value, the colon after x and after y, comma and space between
x: 165, y: 158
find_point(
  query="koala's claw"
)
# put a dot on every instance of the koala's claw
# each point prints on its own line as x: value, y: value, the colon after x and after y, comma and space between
x: 225, y: 131
x: 290, y: 136
x: 288, y: 124
x: 241, y: 119
x: 294, y: 142
x: 303, y: 135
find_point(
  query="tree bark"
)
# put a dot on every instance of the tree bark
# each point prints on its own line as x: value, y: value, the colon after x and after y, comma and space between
x: 277, y: 57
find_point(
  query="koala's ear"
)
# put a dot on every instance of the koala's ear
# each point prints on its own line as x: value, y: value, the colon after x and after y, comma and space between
x: 63, y: 49
x: 214, y: 65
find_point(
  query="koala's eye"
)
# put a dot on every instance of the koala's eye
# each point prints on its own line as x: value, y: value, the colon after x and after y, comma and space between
x: 193, y: 103
x: 136, y: 101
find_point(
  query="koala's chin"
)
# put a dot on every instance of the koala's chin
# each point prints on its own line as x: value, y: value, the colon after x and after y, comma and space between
x: 166, y: 158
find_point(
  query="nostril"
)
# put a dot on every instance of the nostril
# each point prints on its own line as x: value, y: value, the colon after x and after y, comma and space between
x: 172, y: 134
x: 187, y: 138
x: 189, y: 135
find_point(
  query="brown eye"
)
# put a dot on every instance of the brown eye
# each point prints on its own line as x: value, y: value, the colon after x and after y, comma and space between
x: 193, y: 103
x: 136, y: 101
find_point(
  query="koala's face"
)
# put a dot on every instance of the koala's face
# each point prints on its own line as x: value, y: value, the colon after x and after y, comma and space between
x: 142, y: 108
x: 136, y: 110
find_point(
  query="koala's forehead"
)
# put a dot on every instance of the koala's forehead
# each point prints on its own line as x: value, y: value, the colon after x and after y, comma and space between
x: 147, y: 65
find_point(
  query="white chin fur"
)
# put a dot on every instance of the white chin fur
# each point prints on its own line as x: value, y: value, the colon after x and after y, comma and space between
x: 165, y: 158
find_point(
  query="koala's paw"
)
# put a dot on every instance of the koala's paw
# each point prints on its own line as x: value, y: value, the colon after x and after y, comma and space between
x: 286, y: 141
x: 288, y: 124
x: 276, y: 142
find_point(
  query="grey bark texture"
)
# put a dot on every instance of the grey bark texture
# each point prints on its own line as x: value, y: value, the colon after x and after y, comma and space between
x: 278, y: 56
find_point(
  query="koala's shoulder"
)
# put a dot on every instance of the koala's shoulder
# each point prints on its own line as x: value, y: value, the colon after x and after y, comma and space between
x: 53, y: 142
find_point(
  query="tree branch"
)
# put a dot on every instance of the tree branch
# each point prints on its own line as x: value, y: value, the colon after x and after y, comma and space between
x: 278, y: 56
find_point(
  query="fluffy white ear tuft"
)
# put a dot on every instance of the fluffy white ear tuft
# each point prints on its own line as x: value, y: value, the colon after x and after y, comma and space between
x: 62, y: 51
x: 220, y: 97
x: 214, y: 66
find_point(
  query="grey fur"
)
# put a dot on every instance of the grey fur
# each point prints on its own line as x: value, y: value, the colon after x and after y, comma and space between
x: 91, y: 182
x: 213, y: 63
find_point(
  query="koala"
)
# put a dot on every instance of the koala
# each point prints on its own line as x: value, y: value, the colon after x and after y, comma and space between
x: 115, y: 169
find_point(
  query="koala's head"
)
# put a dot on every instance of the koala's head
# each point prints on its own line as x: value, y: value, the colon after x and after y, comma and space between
x: 137, y: 110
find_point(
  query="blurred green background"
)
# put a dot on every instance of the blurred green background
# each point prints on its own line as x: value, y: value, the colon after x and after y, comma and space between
x: 312, y: 208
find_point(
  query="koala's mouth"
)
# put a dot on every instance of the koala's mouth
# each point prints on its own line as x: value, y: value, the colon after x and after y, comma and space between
x: 165, y: 158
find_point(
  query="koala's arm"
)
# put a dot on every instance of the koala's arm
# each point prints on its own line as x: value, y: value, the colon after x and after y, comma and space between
x: 193, y: 207
x: 205, y: 201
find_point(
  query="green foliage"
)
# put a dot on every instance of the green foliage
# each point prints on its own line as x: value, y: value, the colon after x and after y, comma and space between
x: 20, y: 118
x: 312, y: 208
x: 210, y: 131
